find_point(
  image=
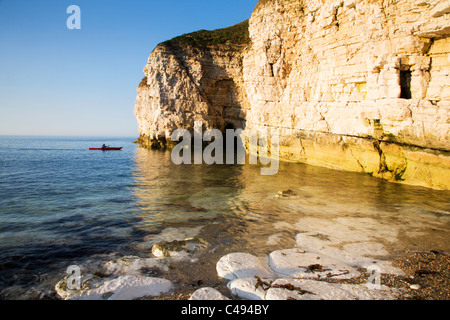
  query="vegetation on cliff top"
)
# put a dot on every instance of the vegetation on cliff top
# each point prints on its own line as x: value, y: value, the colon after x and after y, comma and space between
x: 234, y: 35
x: 143, y: 82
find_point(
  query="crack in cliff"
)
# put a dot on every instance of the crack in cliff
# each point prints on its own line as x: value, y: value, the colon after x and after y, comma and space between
x: 359, y: 162
x: 322, y: 118
x: 383, y: 167
x: 303, y: 148
x: 206, y: 87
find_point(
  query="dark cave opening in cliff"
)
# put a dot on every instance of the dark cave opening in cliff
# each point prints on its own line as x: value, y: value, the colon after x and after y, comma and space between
x: 405, y: 84
x: 271, y: 69
x: 230, y: 138
x: 229, y: 126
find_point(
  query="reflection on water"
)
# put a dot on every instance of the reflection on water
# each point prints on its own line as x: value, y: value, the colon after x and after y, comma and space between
x: 239, y: 211
x: 77, y: 207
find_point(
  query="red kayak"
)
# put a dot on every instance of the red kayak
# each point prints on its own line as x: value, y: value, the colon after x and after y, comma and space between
x: 107, y: 149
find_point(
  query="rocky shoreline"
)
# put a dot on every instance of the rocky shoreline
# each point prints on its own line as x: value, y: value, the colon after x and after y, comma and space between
x: 415, y: 285
x: 315, y: 273
x: 305, y: 258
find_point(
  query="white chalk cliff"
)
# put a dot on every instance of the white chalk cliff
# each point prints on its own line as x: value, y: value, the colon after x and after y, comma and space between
x: 354, y: 85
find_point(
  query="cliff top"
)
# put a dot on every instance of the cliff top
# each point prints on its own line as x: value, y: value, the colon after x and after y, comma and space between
x: 237, y: 35
x: 274, y: 3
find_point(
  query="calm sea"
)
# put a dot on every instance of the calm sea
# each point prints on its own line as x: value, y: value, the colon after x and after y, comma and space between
x: 61, y: 204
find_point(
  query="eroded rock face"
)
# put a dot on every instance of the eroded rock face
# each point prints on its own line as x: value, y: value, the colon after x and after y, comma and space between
x: 186, y: 83
x: 349, y: 84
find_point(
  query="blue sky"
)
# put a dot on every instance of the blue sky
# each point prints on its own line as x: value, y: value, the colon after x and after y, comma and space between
x: 56, y: 81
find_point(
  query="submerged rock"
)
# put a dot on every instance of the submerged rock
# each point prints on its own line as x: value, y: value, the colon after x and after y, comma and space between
x: 132, y: 265
x: 168, y: 235
x: 178, y: 248
x: 285, y: 193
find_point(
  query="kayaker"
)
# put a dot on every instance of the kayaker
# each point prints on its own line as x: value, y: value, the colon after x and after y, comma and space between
x: 104, y: 146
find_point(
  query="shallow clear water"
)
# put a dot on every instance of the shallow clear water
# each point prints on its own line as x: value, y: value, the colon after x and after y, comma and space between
x: 61, y: 204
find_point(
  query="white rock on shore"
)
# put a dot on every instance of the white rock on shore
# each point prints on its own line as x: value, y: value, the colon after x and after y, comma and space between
x: 126, y: 287
x: 207, y: 293
x: 297, y: 274
x: 87, y: 281
x: 246, y: 288
x: 304, y: 289
x: 297, y: 263
x: 242, y: 265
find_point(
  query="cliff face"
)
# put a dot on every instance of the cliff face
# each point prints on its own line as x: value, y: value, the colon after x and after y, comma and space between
x: 354, y: 85
x: 189, y: 79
